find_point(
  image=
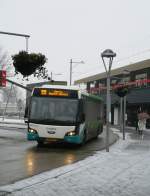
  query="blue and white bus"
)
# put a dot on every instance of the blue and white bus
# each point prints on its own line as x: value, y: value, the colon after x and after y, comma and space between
x: 62, y: 113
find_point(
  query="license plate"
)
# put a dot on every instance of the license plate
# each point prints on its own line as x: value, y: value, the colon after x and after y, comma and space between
x: 51, y: 140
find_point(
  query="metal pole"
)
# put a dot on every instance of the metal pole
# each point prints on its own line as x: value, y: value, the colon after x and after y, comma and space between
x: 108, y: 111
x: 125, y: 104
x: 121, y: 115
x: 15, y: 34
x: 124, y: 113
x: 18, y: 34
x: 51, y: 75
x: 27, y: 44
x: 108, y: 102
x: 70, y: 71
x: 108, y: 54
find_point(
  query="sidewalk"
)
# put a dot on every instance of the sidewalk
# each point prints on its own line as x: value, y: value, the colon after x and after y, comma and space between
x: 124, y: 171
x: 19, y: 123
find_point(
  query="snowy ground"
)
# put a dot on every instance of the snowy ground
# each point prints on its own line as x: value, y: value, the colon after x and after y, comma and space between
x: 124, y: 171
x: 9, y: 120
x: 12, y: 123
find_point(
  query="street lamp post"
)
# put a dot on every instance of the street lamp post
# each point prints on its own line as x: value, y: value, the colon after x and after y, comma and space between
x: 18, y: 34
x: 71, y: 62
x: 27, y: 44
x: 110, y: 55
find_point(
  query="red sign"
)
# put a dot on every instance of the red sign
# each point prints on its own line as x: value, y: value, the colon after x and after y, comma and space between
x: 114, y: 87
x: 3, y: 78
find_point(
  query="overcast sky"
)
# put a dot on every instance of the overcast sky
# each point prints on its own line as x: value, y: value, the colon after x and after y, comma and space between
x: 78, y: 30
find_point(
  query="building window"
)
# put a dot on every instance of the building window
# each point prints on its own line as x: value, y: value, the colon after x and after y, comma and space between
x: 113, y: 81
x: 126, y: 79
x: 93, y: 88
x: 92, y: 85
x: 101, y: 85
x: 140, y: 80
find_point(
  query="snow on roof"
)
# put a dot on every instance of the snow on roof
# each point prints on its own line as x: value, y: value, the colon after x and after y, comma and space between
x: 80, y: 91
x: 60, y: 87
x: 131, y: 67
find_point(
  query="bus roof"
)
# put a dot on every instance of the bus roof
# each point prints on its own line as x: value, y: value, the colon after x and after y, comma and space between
x: 60, y: 87
x: 80, y: 91
x: 91, y: 96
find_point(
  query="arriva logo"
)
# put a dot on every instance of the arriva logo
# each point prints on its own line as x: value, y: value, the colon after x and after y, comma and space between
x: 51, y: 130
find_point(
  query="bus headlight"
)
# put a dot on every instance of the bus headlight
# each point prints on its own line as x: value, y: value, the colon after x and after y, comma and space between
x: 31, y: 130
x: 71, y: 133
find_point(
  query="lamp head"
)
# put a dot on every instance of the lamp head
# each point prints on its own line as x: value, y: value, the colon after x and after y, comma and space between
x: 108, y: 53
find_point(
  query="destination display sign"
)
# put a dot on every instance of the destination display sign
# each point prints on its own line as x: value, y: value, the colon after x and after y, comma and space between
x: 46, y: 92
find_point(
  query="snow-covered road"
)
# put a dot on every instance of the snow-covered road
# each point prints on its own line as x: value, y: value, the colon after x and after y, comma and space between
x: 124, y: 171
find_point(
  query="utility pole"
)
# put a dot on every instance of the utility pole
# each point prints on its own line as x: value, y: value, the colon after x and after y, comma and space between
x: 56, y: 74
x: 71, y: 62
x: 70, y: 71
x: 51, y: 75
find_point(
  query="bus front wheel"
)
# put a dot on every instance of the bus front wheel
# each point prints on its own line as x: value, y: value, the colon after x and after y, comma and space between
x: 40, y: 143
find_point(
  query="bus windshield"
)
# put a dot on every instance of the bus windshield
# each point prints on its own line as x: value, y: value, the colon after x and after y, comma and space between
x: 49, y: 110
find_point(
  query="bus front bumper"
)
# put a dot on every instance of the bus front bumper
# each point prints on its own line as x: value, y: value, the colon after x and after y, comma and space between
x: 73, y: 139
x: 32, y: 136
x: 70, y: 139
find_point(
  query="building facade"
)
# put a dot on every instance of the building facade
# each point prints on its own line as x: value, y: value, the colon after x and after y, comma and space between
x: 136, y: 77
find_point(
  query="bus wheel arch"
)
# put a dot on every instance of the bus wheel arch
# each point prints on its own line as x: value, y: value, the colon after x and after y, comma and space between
x: 40, y: 143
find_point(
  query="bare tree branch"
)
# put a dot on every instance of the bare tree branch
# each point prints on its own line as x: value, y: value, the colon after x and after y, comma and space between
x: 5, y: 61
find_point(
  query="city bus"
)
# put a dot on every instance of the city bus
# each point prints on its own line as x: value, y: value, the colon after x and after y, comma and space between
x: 63, y: 113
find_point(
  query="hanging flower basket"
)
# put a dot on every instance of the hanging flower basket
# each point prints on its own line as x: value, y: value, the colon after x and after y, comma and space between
x: 28, y: 64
